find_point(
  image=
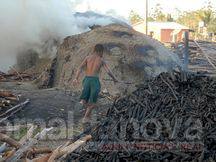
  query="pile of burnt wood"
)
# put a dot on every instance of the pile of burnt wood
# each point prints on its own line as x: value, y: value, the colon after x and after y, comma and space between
x: 15, y: 76
x: 10, y: 104
x: 168, y: 118
x: 7, y: 99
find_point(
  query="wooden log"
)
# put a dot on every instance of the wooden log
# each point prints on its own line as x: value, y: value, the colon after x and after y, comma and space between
x: 6, y: 94
x: 8, y: 140
x: 3, y: 147
x: 44, y: 158
x: 20, y: 76
x: 68, y: 149
x: 36, y: 151
x: 15, y: 98
x: 28, y: 135
x: 41, y: 151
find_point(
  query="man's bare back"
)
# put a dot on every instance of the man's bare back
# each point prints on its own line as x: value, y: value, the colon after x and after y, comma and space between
x: 93, y: 65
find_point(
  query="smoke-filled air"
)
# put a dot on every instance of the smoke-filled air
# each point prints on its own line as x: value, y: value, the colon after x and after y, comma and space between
x: 38, y: 25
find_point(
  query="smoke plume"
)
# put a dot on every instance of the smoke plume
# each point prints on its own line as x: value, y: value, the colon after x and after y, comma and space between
x: 38, y: 25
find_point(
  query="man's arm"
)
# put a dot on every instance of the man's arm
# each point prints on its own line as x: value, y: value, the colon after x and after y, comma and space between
x: 79, y: 70
x: 109, y: 72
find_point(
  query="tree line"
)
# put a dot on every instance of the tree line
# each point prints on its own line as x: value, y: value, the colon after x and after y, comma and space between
x: 207, y: 15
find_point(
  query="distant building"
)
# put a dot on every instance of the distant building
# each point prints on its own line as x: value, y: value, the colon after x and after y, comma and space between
x: 166, y: 32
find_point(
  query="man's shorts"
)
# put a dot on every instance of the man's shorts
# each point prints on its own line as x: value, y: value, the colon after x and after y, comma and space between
x: 91, y: 89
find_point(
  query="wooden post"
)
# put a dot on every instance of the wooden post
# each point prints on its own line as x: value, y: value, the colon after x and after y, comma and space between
x: 186, y: 50
x: 146, y: 17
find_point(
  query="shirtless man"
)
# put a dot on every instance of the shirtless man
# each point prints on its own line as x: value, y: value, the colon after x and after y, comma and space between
x: 91, y: 83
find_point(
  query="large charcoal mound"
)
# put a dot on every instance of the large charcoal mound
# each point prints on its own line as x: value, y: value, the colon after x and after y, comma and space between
x: 188, y: 107
x: 132, y: 56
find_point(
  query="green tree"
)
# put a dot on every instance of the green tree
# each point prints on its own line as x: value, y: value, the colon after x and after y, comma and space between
x: 208, y: 15
x: 169, y: 18
x: 158, y: 14
x: 212, y: 26
x: 205, y: 14
x: 134, y: 17
x: 190, y: 19
x: 151, y: 19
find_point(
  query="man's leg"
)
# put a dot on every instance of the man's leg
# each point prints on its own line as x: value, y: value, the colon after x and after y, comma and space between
x: 87, y: 118
x: 83, y: 104
x: 90, y: 106
x: 94, y: 91
x: 89, y: 109
x: 85, y: 93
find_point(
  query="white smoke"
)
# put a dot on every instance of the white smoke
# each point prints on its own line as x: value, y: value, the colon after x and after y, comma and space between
x: 33, y: 24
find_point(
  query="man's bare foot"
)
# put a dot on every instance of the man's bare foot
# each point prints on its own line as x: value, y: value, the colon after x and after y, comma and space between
x: 86, y: 124
x: 83, y: 102
x: 86, y: 120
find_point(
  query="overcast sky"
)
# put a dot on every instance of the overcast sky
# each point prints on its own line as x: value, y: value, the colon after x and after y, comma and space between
x: 123, y: 7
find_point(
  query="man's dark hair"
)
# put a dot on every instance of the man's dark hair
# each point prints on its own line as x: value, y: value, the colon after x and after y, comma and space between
x: 99, y: 48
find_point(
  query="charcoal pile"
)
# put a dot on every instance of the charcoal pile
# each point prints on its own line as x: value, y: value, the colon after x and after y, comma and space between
x: 130, y: 55
x: 175, y: 114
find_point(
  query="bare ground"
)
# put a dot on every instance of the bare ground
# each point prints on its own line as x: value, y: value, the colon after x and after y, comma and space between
x: 47, y: 105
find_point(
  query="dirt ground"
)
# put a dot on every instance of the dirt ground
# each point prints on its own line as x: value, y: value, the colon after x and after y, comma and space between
x: 51, y: 104
x: 52, y: 107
